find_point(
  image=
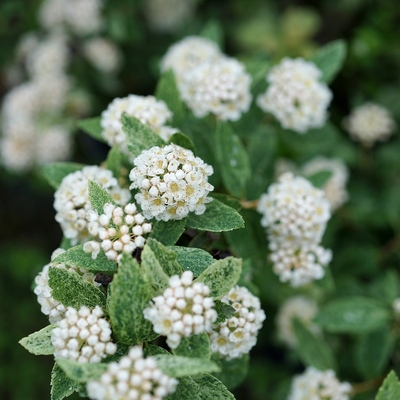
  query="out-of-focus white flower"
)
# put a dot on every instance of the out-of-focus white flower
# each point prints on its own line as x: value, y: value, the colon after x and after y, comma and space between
x: 53, y: 144
x: 103, y: 54
x: 295, y: 95
x: 370, y: 123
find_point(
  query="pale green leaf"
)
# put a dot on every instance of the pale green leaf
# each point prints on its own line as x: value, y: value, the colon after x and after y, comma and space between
x: 193, y: 259
x: 98, y: 197
x: 39, y: 343
x: 320, y: 178
x: 92, y: 127
x: 233, y: 372
x: 182, y: 140
x: 210, y: 388
x: 196, y: 346
x: 212, y: 30
x: 81, y: 372
x: 390, y: 389
x: 61, y: 385
x: 114, y: 161
x: 168, y: 232
x: 166, y: 256
x: 56, y: 172
x: 178, y: 366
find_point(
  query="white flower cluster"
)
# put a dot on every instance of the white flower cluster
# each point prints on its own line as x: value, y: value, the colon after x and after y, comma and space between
x: 103, y: 54
x: 49, y: 306
x: 295, y: 96
x: 297, y: 307
x: 120, y: 230
x: 370, y: 123
x: 295, y: 215
x: 209, y: 81
x: 71, y: 200
x: 319, y: 385
x: 147, y: 109
x: 172, y: 182
x: 132, y: 377
x: 237, y: 335
x: 83, y: 336
x: 184, y: 309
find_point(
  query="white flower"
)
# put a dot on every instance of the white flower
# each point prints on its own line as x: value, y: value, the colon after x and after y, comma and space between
x: 370, y: 123
x: 132, y: 377
x: 237, y: 335
x: 319, y: 385
x: 72, y: 200
x: 296, y: 307
x: 172, y: 182
x: 118, y: 231
x: 54, y: 144
x: 103, y: 54
x: 335, y: 187
x: 83, y: 336
x: 184, y: 309
x: 295, y: 96
x: 220, y: 87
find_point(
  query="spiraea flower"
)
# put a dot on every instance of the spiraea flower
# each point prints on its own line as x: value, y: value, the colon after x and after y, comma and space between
x: 237, y: 335
x: 120, y: 230
x: 220, y: 87
x: 103, y: 54
x: 296, y: 307
x: 132, y: 377
x: 83, y: 336
x: 370, y: 123
x: 295, y: 216
x: 72, y: 200
x: 319, y: 385
x: 295, y: 95
x: 172, y: 182
x: 50, y: 306
x: 184, y: 309
x: 147, y: 109
x: 335, y: 187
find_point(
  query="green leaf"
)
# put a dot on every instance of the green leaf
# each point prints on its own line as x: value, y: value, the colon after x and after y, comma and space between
x: 92, y: 127
x: 168, y: 232
x: 217, y: 218
x: 167, y: 91
x: 193, y: 259
x: 139, y: 136
x: 223, y: 310
x: 210, y: 388
x: 61, y: 385
x: 390, y: 389
x: 227, y: 200
x: 233, y: 160
x: 182, y: 140
x: 130, y: 295
x: 39, y: 343
x: 373, y: 351
x: 166, y: 256
x: 233, y: 372
x: 153, y: 350
x: 319, y: 178
x: 114, y: 161
x: 186, y: 389
x: 178, y: 366
x: 353, y: 315
x: 76, y: 257
x: 71, y: 290
x: 311, y: 349
x: 98, y: 197
x: 56, y: 172
x: 196, y: 346
x: 212, y: 30
x: 330, y: 59
x: 221, y: 276
x: 81, y: 372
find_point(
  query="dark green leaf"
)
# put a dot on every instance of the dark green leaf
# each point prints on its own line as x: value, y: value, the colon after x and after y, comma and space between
x: 390, y: 389
x: 182, y: 140
x: 92, y: 127
x: 227, y: 200
x: 61, y: 385
x: 210, y: 388
x: 193, y: 259
x: 178, y: 366
x: 98, y: 197
x: 153, y: 350
x: 186, y: 389
x: 168, y: 233
x: 196, y: 346
x: 212, y: 30
x: 114, y: 161
x: 81, y: 372
x: 233, y: 372
x: 223, y: 310
x: 39, y: 343
x: 319, y: 179
x: 166, y: 256
x: 56, y: 172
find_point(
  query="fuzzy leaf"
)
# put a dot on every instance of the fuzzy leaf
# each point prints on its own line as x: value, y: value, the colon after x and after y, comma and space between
x: 71, y: 290
x: 353, y: 315
x: 92, y: 127
x: 227, y: 200
x: 76, y: 257
x: 81, y: 372
x: 193, y: 259
x: 186, y: 389
x: 217, y: 218
x: 196, y: 346
x: 223, y: 310
x: 166, y: 256
x: 98, y: 197
x: 130, y: 295
x: 210, y: 388
x: 153, y: 350
x: 168, y: 233
x: 182, y: 140
x: 390, y: 389
x: 178, y: 366
x: 330, y: 58
x: 319, y: 179
x: 61, y: 385
x: 221, y: 276
x: 56, y: 172
x: 39, y: 343
x: 233, y: 372
x: 233, y: 160
x: 139, y: 136
x: 114, y: 160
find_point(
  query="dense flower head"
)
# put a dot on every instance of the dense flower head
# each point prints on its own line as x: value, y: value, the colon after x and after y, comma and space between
x: 132, y: 377
x: 72, y: 200
x: 185, y: 308
x: 220, y: 87
x: 147, y: 109
x: 238, y: 334
x: 295, y: 95
x: 335, y: 187
x: 319, y: 385
x: 297, y: 307
x: 83, y: 336
x: 103, y: 54
x: 172, y: 182
x: 119, y: 230
x: 369, y: 123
